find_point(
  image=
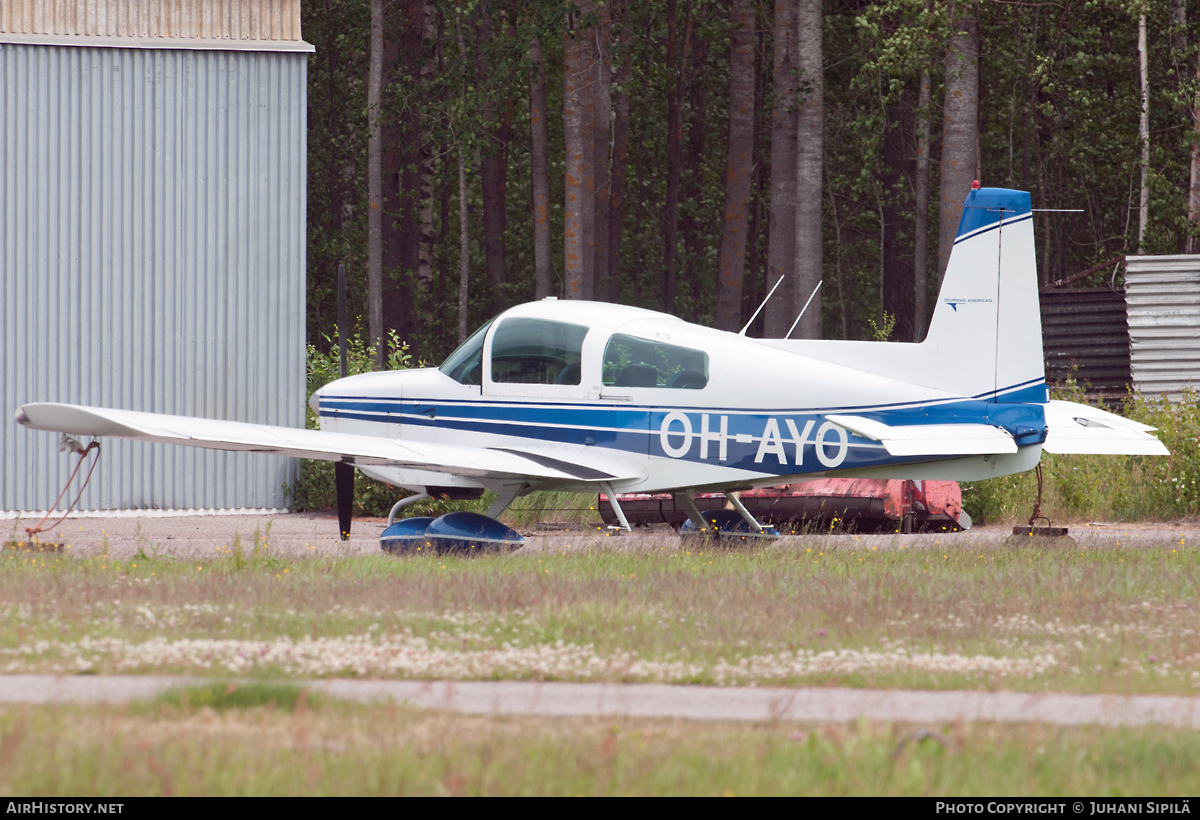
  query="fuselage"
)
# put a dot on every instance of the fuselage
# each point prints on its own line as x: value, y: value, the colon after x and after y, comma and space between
x: 663, y: 403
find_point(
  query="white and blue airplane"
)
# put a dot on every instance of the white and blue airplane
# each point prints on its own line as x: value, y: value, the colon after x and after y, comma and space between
x: 595, y: 397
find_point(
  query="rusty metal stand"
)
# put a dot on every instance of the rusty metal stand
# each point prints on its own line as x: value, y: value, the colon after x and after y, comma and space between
x: 1048, y: 531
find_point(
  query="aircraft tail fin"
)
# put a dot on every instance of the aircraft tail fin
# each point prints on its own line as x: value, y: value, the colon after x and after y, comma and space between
x: 985, y: 339
x: 987, y: 327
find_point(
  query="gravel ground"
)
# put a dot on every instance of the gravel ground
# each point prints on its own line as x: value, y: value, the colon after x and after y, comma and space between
x: 299, y: 534
x: 664, y: 701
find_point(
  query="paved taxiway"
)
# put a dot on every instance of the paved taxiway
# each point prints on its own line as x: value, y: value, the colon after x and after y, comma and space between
x: 665, y: 701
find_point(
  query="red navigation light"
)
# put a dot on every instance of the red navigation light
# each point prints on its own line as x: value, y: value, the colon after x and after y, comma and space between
x: 974, y: 185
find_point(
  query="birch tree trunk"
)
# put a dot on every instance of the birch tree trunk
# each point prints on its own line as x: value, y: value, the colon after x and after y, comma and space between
x: 675, y: 53
x: 464, y: 225
x: 333, y: 180
x: 692, y: 231
x: 810, y: 155
x: 464, y: 246
x: 897, y: 280
x: 1178, y: 27
x: 573, y: 80
x: 587, y: 100
x: 1143, y: 134
x: 401, y: 134
x: 1193, y: 243
x: 601, y: 151
x: 620, y: 150
x: 493, y: 166
x: 375, y: 186
x: 755, y: 275
x: 739, y: 166
x: 539, y: 172
x: 781, y: 241
x: 959, y: 128
x: 921, y: 204
x: 432, y: 43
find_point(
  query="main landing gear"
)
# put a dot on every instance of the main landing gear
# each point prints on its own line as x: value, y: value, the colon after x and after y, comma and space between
x: 736, y: 525
x: 456, y: 532
x: 463, y: 533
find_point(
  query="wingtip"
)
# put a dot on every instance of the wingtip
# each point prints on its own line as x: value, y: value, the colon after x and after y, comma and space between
x: 21, y: 418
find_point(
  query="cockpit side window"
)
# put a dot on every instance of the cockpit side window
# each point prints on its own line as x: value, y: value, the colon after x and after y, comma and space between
x: 537, y: 351
x: 633, y: 362
x: 465, y: 364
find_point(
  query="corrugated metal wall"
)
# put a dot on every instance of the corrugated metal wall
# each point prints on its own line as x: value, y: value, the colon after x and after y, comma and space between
x: 201, y: 19
x: 1162, y: 294
x: 1085, y: 337
x: 152, y: 242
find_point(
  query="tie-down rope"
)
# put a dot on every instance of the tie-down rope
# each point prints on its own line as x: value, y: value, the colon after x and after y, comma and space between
x: 69, y: 443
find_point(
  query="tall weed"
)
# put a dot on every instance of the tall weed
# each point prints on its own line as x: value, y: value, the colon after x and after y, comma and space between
x: 1107, y: 488
x: 314, y: 491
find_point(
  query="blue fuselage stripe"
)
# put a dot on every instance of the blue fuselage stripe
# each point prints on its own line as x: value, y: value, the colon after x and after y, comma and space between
x: 772, y: 442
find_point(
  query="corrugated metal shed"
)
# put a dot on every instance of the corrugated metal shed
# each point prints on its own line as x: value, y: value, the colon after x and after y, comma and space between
x: 1163, y: 298
x: 1085, y: 337
x: 152, y: 218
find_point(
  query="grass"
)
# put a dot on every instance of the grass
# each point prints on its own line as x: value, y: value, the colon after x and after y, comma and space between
x: 807, y: 611
x: 554, y: 508
x: 224, y: 695
x: 335, y: 748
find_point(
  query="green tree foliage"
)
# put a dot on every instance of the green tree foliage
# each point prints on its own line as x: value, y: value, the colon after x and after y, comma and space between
x: 337, y: 158
x: 1059, y: 103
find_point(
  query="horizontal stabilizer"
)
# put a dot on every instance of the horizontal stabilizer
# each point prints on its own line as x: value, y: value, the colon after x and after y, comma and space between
x: 470, y: 462
x: 1079, y: 429
x: 931, y: 439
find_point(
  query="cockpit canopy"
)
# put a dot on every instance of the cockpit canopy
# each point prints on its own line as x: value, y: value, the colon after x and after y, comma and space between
x: 533, y: 350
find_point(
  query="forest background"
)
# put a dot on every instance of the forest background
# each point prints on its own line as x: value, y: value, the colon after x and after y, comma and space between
x: 682, y: 155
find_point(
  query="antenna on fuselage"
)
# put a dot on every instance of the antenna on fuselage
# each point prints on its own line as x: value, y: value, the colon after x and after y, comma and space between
x: 778, y: 282
x: 806, y: 304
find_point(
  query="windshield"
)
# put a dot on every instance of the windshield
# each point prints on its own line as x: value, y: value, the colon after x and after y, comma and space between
x: 465, y: 364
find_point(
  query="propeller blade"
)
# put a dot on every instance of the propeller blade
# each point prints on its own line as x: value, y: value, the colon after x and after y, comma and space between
x: 343, y: 482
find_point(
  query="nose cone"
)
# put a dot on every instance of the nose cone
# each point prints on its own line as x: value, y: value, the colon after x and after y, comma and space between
x: 382, y: 384
x: 329, y: 389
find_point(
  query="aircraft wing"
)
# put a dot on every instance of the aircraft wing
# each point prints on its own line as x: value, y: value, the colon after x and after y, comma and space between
x: 1080, y: 429
x: 472, y: 462
x: 931, y: 439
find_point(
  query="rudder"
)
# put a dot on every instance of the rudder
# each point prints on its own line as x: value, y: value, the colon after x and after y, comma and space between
x: 987, y: 325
